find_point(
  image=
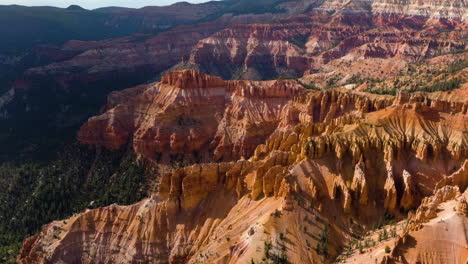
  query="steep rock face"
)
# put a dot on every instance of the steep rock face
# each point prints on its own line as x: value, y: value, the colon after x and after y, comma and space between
x: 391, y: 194
x: 435, y: 216
x: 462, y: 207
x: 405, y: 147
x: 433, y: 234
x: 428, y: 208
x: 335, y: 163
x: 433, y: 9
x: 334, y: 33
x: 359, y: 184
x: 171, y: 226
x: 193, y: 115
x: 71, y: 87
x: 139, y: 57
x: 322, y: 39
x: 443, y: 102
x: 97, y: 60
x: 460, y: 177
x: 245, y: 49
x: 407, y: 201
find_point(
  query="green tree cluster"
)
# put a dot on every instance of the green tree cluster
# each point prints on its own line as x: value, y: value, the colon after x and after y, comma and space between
x: 36, y: 193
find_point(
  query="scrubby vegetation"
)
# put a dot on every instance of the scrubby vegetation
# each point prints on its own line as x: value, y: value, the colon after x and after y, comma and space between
x: 322, y: 245
x: 440, y: 86
x: 382, y: 231
x: 387, y: 249
x: 457, y: 66
x: 419, y: 77
x: 310, y: 86
x: 274, y: 254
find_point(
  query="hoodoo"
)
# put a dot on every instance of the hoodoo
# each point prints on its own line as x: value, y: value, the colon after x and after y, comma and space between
x: 234, y: 132
x: 332, y: 161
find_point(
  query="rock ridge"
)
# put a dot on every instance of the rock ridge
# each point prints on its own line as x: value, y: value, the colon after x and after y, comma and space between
x: 335, y: 160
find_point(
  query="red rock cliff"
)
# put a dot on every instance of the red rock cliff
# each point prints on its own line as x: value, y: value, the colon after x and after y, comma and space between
x: 335, y: 162
x: 191, y: 114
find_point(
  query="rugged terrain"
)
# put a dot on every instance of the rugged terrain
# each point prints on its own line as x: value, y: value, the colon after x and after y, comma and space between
x: 267, y: 131
x: 192, y: 116
x: 76, y: 77
x: 334, y: 164
x: 38, y: 32
x: 335, y: 40
x: 329, y: 43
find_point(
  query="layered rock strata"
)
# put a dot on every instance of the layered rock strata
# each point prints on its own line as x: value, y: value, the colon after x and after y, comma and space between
x: 192, y: 114
x: 333, y: 165
x: 346, y: 38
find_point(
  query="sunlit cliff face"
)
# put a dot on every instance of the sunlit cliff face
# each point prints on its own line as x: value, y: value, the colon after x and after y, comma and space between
x: 333, y: 163
x: 313, y: 132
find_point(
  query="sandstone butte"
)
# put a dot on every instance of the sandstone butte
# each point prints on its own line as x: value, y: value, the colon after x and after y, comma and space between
x: 277, y: 172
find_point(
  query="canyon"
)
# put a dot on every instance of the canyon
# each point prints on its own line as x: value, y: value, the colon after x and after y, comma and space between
x: 327, y: 43
x: 307, y: 131
x: 331, y: 165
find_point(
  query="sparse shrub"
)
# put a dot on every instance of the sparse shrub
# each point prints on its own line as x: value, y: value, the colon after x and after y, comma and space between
x: 309, y: 86
x: 322, y: 245
x: 387, y: 249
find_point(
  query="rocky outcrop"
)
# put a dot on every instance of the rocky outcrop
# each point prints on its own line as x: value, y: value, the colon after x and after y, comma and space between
x: 442, y: 102
x: 408, y: 200
x: 329, y: 42
x: 391, y: 195
x: 359, y: 184
x: 300, y: 172
x: 432, y: 9
x: 333, y: 162
x: 139, y: 57
x: 428, y: 208
x: 458, y: 178
x: 435, y: 216
x: 97, y: 61
x: 462, y: 207
x: 329, y: 39
x: 433, y: 234
x: 192, y: 115
x: 172, y: 225
x: 70, y: 86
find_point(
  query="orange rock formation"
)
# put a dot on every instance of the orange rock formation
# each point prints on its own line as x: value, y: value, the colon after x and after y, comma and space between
x: 304, y: 171
x: 192, y: 115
